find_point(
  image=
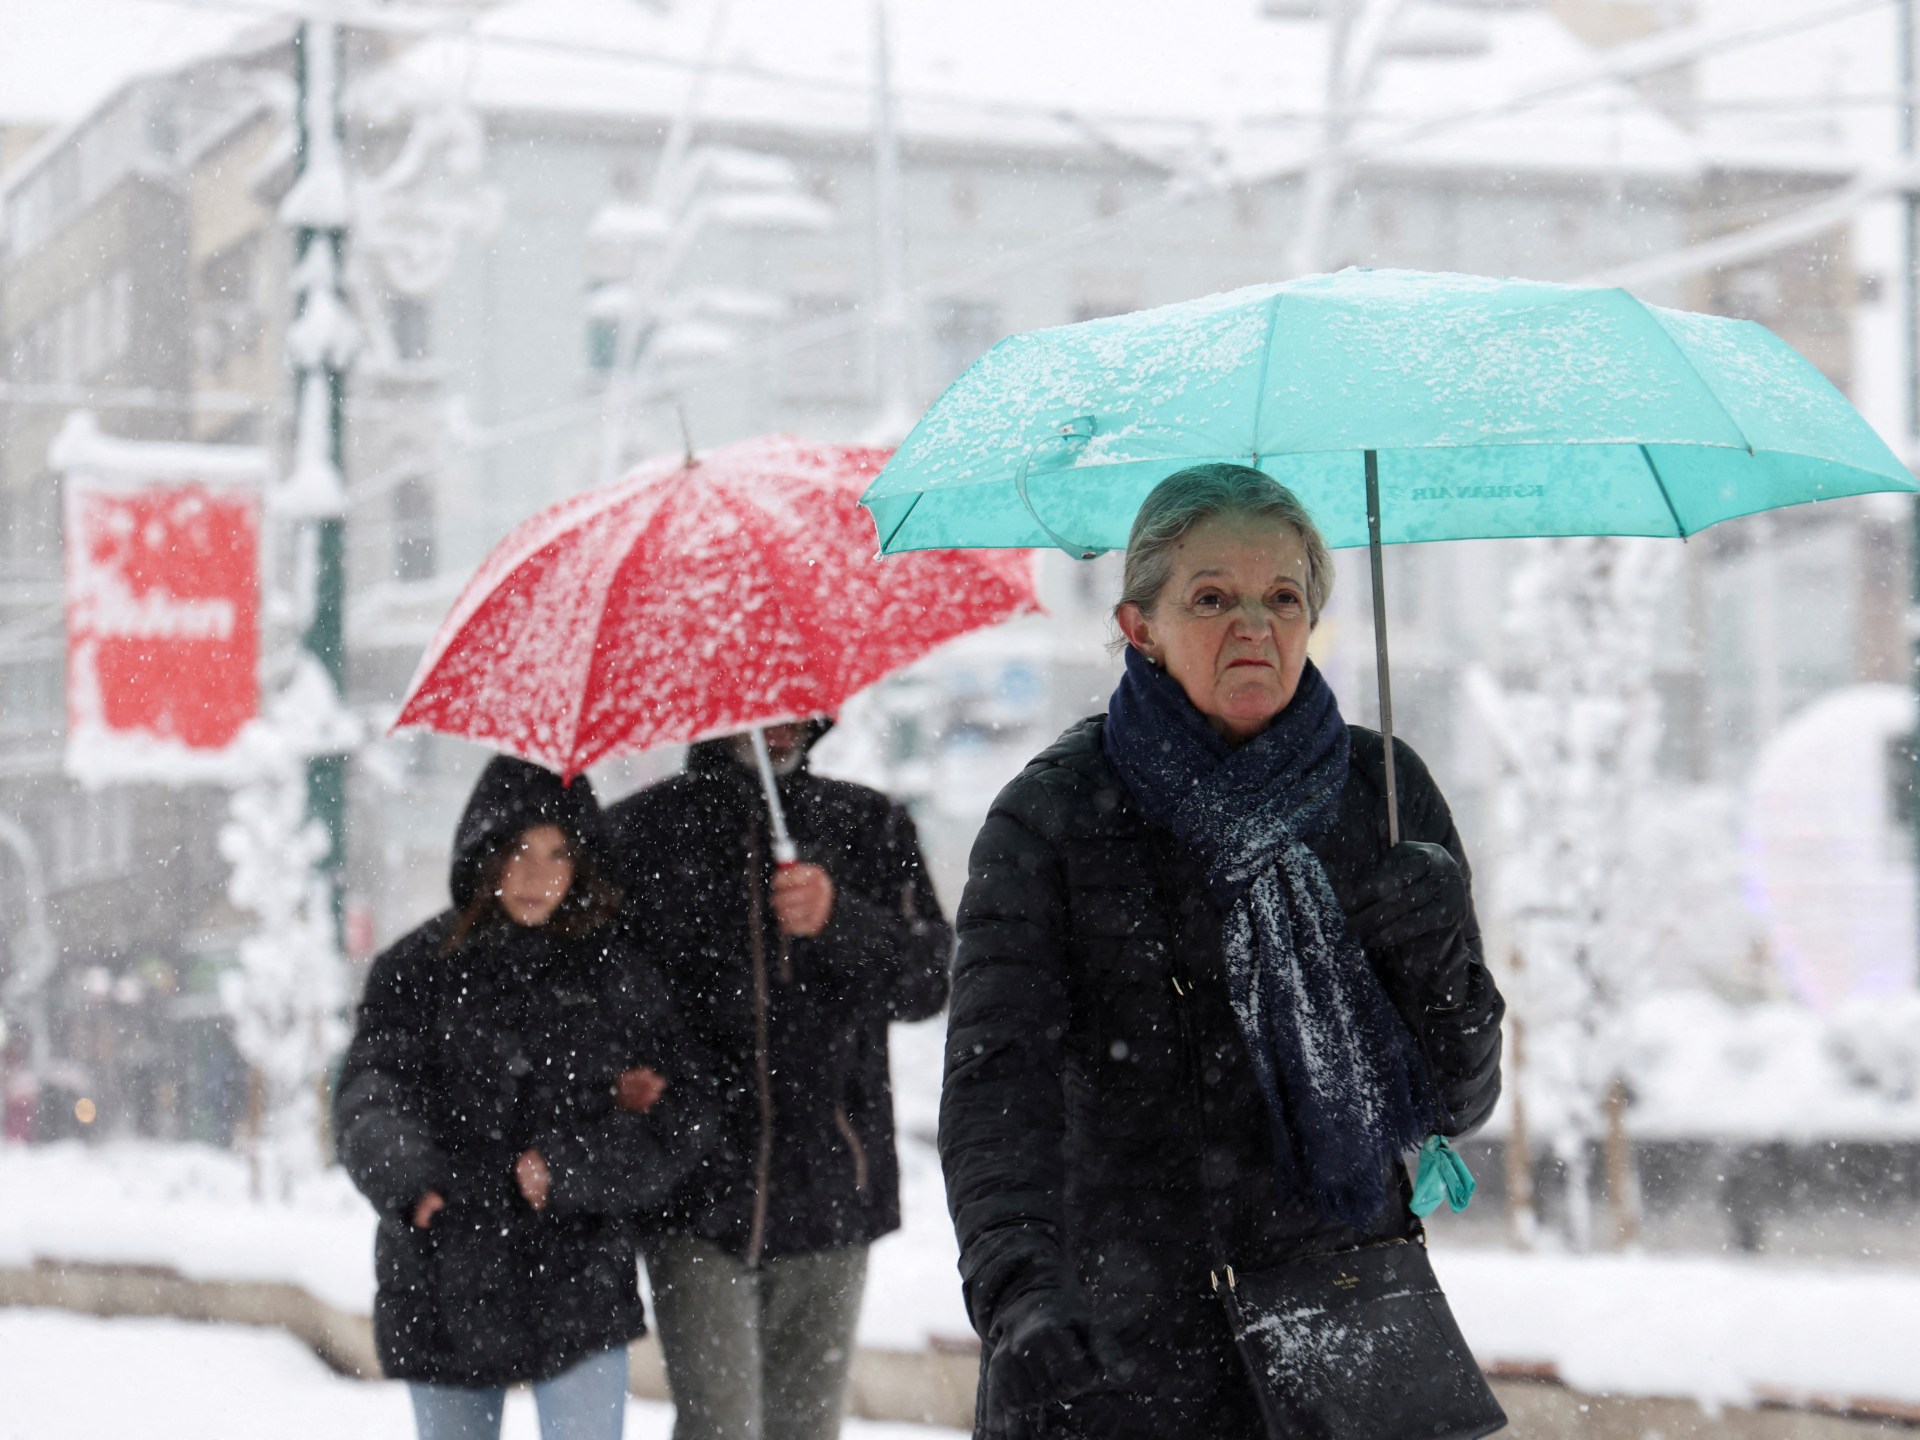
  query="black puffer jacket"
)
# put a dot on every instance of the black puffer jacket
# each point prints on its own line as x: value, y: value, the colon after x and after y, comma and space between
x: 1103, y: 1135
x: 797, y: 1027
x: 463, y: 1058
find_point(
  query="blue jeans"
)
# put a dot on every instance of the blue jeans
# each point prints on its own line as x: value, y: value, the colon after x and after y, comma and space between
x: 588, y: 1402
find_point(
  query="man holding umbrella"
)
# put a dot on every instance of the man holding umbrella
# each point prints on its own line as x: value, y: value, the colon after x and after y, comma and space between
x: 789, y: 973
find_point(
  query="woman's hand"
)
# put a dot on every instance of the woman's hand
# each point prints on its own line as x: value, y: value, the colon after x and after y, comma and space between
x: 533, y: 1177
x: 639, y: 1089
x: 1418, y: 891
x: 430, y: 1205
x: 1047, y: 1350
x: 802, y: 899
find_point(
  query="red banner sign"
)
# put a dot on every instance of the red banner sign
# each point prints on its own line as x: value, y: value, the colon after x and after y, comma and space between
x: 163, y: 608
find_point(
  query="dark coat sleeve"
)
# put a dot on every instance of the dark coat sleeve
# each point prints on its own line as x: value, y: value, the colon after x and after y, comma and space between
x: 1462, y: 1042
x: 886, y: 941
x: 379, y: 1107
x: 622, y: 1162
x: 1003, y: 1105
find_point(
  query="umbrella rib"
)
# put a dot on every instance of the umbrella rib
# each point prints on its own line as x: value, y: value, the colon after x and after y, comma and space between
x: 902, y: 524
x: 803, y: 617
x: 599, y: 629
x: 1654, y: 470
x: 1260, y: 390
x: 1694, y: 370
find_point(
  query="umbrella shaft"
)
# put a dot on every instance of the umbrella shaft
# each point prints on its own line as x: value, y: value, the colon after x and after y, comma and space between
x: 785, y: 852
x: 1380, y: 640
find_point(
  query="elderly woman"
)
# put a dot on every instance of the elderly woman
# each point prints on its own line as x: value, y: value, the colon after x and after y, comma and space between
x: 1201, y: 1008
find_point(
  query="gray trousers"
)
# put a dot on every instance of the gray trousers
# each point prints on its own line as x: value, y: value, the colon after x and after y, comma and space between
x: 755, y: 1353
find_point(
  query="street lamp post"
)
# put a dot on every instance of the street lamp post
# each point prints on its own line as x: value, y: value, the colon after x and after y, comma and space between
x: 320, y: 347
x: 1910, y: 356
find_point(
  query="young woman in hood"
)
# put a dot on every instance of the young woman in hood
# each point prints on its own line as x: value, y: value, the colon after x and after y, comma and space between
x: 506, y: 1107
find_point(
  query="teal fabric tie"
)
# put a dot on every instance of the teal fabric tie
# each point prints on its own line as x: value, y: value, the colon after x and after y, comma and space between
x: 1442, y: 1175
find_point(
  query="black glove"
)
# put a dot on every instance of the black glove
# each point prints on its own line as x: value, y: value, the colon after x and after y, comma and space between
x: 1045, y: 1350
x: 1419, y: 892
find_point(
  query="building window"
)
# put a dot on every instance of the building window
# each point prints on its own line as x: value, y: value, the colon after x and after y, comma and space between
x: 229, y: 274
x: 120, y: 312
x: 1753, y: 292
x: 63, y: 180
x: 33, y: 360
x: 962, y: 331
x: 823, y: 185
x: 834, y: 367
x: 963, y: 197
x: 413, y: 557
x: 32, y: 697
x: 410, y: 322
x: 232, y: 323
x: 91, y: 841
x: 1246, y: 207
x: 603, y: 339
x: 1098, y: 304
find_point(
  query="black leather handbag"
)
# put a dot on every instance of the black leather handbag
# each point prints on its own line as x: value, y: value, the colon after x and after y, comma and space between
x: 1358, y: 1345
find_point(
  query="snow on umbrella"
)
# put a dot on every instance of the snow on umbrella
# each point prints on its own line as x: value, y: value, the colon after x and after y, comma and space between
x: 695, y: 599
x: 1399, y: 406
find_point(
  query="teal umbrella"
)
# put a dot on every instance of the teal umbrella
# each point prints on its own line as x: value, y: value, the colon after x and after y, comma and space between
x: 1399, y: 406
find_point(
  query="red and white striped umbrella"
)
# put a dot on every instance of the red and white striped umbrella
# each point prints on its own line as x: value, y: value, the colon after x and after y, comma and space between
x: 692, y: 600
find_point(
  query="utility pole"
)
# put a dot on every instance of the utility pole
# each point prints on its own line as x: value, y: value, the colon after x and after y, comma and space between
x: 640, y: 314
x: 1910, y: 348
x: 894, y: 354
x: 320, y: 347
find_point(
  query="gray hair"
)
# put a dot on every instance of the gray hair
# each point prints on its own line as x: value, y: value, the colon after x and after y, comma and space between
x: 1186, y: 498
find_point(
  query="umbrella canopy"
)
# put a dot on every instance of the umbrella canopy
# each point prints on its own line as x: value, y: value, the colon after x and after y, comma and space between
x: 1398, y: 406
x: 1494, y: 408
x: 692, y: 600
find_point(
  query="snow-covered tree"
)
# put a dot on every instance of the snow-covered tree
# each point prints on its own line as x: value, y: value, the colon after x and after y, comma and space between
x: 285, y: 994
x: 1579, y: 728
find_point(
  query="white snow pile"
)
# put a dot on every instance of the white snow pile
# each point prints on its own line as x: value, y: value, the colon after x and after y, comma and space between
x: 1721, y: 1332
x: 73, y: 1377
x: 1703, y: 1067
x: 187, y: 1208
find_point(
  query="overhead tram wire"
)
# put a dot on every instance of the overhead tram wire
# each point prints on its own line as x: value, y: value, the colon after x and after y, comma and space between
x: 1660, y: 51
x: 1626, y: 62
x: 426, y: 24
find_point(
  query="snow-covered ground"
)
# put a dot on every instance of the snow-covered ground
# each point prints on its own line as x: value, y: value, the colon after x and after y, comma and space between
x: 188, y: 1208
x: 1719, y: 1330
x: 72, y: 1377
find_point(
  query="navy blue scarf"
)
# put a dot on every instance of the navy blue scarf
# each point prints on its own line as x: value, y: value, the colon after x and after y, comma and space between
x: 1347, y: 1090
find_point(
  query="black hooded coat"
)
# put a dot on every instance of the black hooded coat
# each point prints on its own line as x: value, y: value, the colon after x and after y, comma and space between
x: 1108, y: 1152
x: 465, y: 1057
x: 797, y: 1027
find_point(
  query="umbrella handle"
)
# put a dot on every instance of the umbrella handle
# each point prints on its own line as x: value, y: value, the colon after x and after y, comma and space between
x: 785, y: 852
x: 1381, y: 667
x: 1070, y: 437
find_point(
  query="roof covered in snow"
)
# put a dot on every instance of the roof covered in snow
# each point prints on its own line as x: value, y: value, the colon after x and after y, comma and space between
x: 1166, y: 81
x: 1825, y: 86
x: 61, y: 58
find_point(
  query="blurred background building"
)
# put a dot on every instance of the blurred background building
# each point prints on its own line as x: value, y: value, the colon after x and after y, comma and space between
x: 810, y: 219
